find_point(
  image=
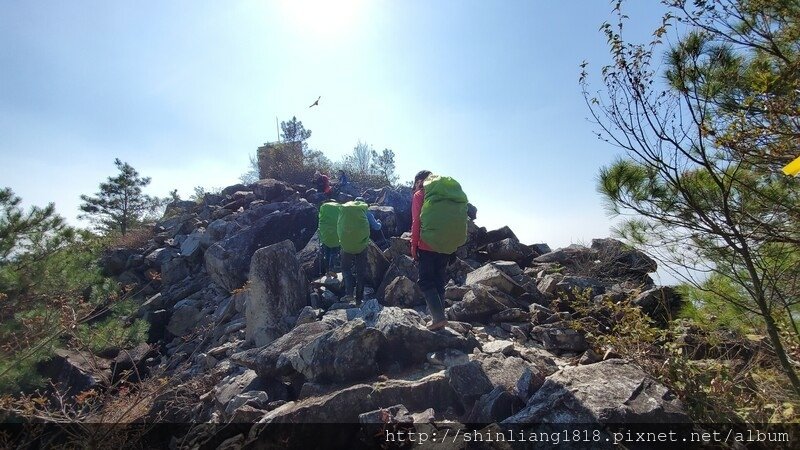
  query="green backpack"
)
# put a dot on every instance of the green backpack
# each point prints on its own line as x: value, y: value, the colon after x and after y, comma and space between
x: 444, y: 214
x: 328, y: 220
x: 353, y: 227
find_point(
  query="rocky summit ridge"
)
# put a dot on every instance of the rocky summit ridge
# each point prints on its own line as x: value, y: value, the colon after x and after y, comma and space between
x: 234, y: 300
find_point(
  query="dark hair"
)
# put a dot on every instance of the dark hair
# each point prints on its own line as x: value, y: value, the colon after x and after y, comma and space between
x: 421, y: 175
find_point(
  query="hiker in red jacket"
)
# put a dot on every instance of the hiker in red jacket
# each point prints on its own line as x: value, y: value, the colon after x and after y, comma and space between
x: 323, y: 183
x: 432, y: 265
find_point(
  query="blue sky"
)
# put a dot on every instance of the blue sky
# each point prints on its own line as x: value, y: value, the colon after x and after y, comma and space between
x: 184, y: 91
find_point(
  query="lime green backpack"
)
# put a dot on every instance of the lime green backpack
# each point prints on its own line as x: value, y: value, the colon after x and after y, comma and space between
x: 444, y: 214
x: 353, y: 227
x: 328, y: 220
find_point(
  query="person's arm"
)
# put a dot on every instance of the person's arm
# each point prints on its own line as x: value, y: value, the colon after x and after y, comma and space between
x: 373, y: 223
x: 416, y: 210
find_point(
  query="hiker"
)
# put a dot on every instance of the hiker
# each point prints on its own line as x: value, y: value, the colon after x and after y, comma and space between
x: 323, y: 183
x: 343, y: 180
x: 328, y: 236
x: 438, y: 228
x: 353, y: 230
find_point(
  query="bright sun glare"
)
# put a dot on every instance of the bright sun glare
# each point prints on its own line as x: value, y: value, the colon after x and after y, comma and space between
x: 322, y: 18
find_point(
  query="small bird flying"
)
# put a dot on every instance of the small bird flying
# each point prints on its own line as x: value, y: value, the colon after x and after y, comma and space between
x: 316, y: 103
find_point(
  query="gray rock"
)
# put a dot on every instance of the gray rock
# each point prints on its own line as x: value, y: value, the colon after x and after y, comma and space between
x: 499, y: 235
x: 400, y: 201
x: 345, y: 405
x: 392, y: 414
x: 498, y: 347
x: 115, y: 261
x: 559, y: 337
x: 479, y: 304
x: 77, y: 371
x: 620, y: 259
x: 490, y: 276
x: 404, y: 293
x: 566, y: 256
x: 547, y: 285
x: 454, y: 292
x: 509, y: 249
x: 495, y: 406
x: 512, y: 315
x: 469, y: 382
x: 272, y: 190
x: 613, y: 391
x: 510, y: 268
x: 308, y: 315
x: 529, y: 382
x: 174, y: 270
x: 407, y: 340
x: 277, y: 289
x: 271, y: 361
x: 376, y: 265
x: 347, y: 353
x: 159, y: 256
x: 228, y: 261
x: 256, y: 399
x: 183, y: 319
x: 448, y: 357
x: 191, y: 248
x: 501, y: 370
x: 661, y: 304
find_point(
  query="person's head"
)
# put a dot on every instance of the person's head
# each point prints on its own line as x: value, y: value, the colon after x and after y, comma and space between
x: 420, y: 178
x: 359, y: 199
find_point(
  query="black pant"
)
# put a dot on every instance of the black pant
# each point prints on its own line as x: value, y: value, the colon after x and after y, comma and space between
x: 351, y: 282
x: 433, y: 271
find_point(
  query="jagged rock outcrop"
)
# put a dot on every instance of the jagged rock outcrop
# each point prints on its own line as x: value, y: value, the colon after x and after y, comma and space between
x: 277, y: 291
x: 613, y: 391
x: 228, y: 261
x: 288, y: 348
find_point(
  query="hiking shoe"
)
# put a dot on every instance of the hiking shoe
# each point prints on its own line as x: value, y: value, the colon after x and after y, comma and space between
x: 437, y: 325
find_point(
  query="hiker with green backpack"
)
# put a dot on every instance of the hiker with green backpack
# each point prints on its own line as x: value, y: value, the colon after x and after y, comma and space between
x: 353, y: 229
x: 438, y: 228
x: 328, y: 235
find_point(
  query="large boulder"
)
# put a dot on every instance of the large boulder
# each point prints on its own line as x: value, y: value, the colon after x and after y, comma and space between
x: 114, y: 261
x: 77, y: 371
x: 310, y: 257
x: 498, y: 235
x: 479, y: 304
x: 404, y: 293
x: 407, y: 339
x: 400, y: 200
x: 277, y: 291
x: 495, y: 406
x: 509, y: 249
x: 228, y: 261
x: 345, y: 354
x: 661, y: 304
x: 376, y: 265
x: 559, y: 337
x: 273, y: 360
x: 401, y: 266
x: 469, y: 382
x: 184, y: 318
x: 272, y: 190
x: 346, y: 405
x: 503, y: 371
x: 490, y: 276
x: 612, y: 391
x: 621, y: 260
